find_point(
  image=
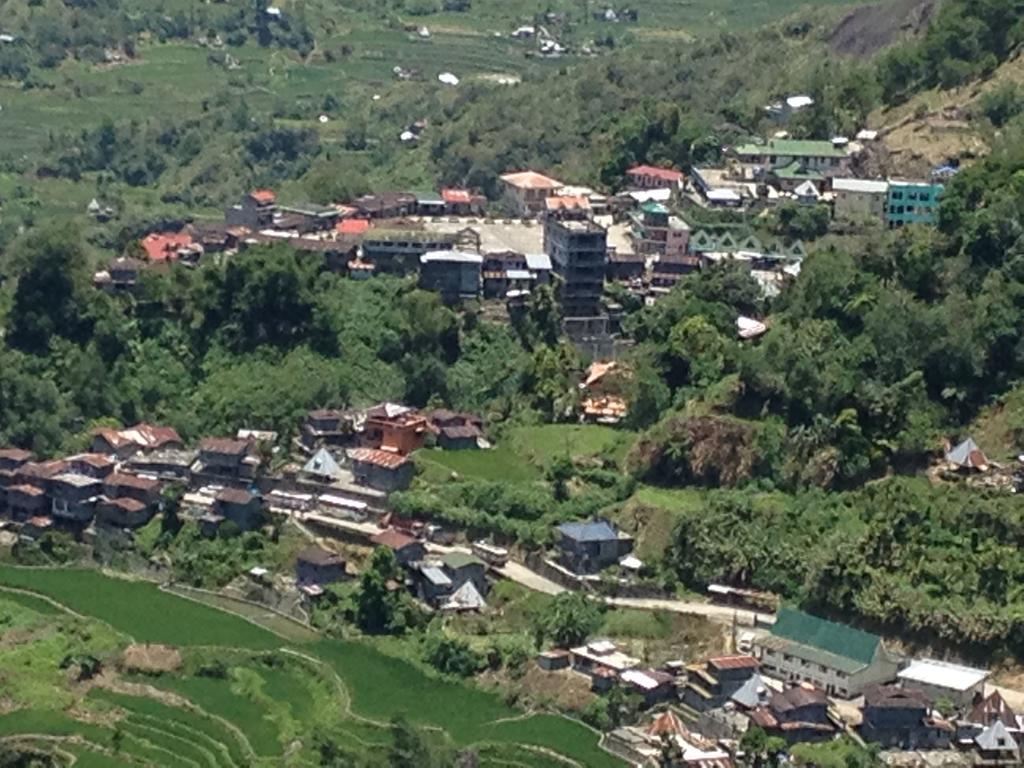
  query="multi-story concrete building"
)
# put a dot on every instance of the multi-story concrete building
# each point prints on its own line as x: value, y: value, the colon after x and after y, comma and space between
x: 840, y: 660
x: 453, y: 274
x: 860, y: 199
x: 912, y: 202
x: 579, y: 256
x: 525, y: 193
x: 829, y: 158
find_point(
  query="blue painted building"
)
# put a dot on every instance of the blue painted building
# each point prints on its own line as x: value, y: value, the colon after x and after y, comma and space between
x: 912, y: 202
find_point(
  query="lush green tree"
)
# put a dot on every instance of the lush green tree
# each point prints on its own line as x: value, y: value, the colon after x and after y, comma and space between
x: 568, y: 620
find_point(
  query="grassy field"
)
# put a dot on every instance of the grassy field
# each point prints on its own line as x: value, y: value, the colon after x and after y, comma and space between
x: 263, y: 703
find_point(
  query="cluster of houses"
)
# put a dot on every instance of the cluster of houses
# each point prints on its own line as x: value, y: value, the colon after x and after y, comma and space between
x: 354, y: 459
x: 790, y: 687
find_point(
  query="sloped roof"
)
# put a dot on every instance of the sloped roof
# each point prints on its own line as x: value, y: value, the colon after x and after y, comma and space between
x: 752, y: 693
x: 835, y: 639
x: 323, y: 464
x: 665, y: 174
x: 456, y: 560
x: 996, y: 738
x: 992, y: 709
x: 895, y: 697
x: 465, y: 598
x: 392, y: 539
x: 531, y: 180
x: 967, y: 455
x: 668, y: 724
x: 943, y: 674
x: 596, y: 530
x: 378, y: 458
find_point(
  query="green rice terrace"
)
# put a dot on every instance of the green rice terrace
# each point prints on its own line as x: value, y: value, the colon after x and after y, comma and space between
x: 101, y: 671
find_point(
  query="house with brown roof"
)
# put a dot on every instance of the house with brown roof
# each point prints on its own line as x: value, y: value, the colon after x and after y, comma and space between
x: 124, y: 512
x: 11, y: 459
x: 25, y: 501
x: 711, y: 684
x: 456, y: 431
x: 316, y: 565
x: 407, y: 549
x: 798, y: 714
x: 122, y: 485
x: 327, y: 426
x: 243, y: 508
x: 381, y: 470
x: 95, y: 465
x: 73, y: 497
x: 525, y: 192
x: 654, y: 686
x: 394, y: 428
x: 653, y: 177
x: 897, y: 716
x: 227, y: 457
x: 124, y: 443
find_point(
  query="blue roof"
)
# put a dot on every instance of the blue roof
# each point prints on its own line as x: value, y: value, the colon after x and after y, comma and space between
x: 597, y: 530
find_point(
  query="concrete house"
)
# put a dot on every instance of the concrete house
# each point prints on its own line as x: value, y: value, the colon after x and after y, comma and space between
x: 589, y: 548
x: 652, y: 177
x: 407, y: 549
x: 840, y: 660
x: 894, y: 716
x: 860, y: 199
x: 912, y: 202
x: 652, y: 685
x: 243, y: 508
x: 828, y: 158
x: 455, y: 275
x: 227, y: 457
x: 942, y: 680
x: 525, y: 193
x: 381, y: 470
x: 316, y: 565
x: 73, y: 497
x: 395, y: 428
x: 579, y: 256
x: 655, y: 231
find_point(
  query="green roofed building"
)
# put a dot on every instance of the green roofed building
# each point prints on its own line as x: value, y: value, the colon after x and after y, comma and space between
x: 828, y: 158
x: 839, y: 659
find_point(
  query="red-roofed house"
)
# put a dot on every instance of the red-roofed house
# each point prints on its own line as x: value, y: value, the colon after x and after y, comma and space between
x: 395, y: 428
x: 165, y: 246
x: 462, y: 202
x: 406, y: 548
x: 255, y: 212
x: 352, y: 226
x: 382, y: 470
x: 525, y: 192
x: 124, y: 512
x: 652, y: 177
x: 130, y: 440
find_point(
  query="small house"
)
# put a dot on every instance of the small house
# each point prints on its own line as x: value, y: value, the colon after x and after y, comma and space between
x: 525, y: 192
x: 381, y: 470
x: 323, y: 467
x: 73, y: 497
x: 121, y: 485
x: 327, y: 427
x: 711, y: 684
x: 210, y: 523
x: 227, y: 457
x: 37, y: 526
x: 653, y: 177
x: 26, y: 501
x: 165, y: 463
x: 95, y: 465
x: 589, y: 548
x: 601, y: 654
x: 407, y: 549
x: 465, y: 598
x: 432, y: 583
x: 241, y: 507
x: 652, y: 685
x: 395, y: 428
x: 553, y: 660
x: 996, y: 746
x: 124, y: 512
x: 456, y: 275
x: 896, y: 716
x: 967, y: 457
x: 462, y: 568
x: 798, y: 714
x: 316, y: 565
x: 124, y: 443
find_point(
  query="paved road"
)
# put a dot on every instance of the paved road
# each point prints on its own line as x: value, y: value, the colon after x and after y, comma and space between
x: 519, y: 573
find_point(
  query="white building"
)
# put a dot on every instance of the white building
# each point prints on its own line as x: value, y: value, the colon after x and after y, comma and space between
x: 860, y: 199
x: 943, y: 680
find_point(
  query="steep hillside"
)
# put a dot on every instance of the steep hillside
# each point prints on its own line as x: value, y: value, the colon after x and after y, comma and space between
x: 866, y: 30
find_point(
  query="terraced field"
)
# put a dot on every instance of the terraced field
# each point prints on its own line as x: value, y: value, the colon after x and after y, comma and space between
x: 243, y: 696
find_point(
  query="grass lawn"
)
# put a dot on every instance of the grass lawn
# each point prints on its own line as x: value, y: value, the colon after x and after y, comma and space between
x: 139, y: 609
x: 542, y: 444
x: 496, y: 464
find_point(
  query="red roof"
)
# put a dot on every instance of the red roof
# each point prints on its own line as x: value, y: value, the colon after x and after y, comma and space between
x: 456, y: 195
x: 531, y: 180
x: 733, y: 662
x: 392, y: 539
x: 131, y: 506
x: 567, y: 203
x: 378, y: 458
x: 142, y: 435
x: 26, y: 490
x: 164, y: 246
x: 94, y: 460
x: 265, y: 196
x: 43, y: 469
x: 352, y: 226
x: 665, y: 174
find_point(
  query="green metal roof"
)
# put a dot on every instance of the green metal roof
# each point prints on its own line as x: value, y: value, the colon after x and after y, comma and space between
x: 793, y: 148
x: 456, y: 560
x: 796, y: 170
x: 653, y: 207
x: 827, y: 637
